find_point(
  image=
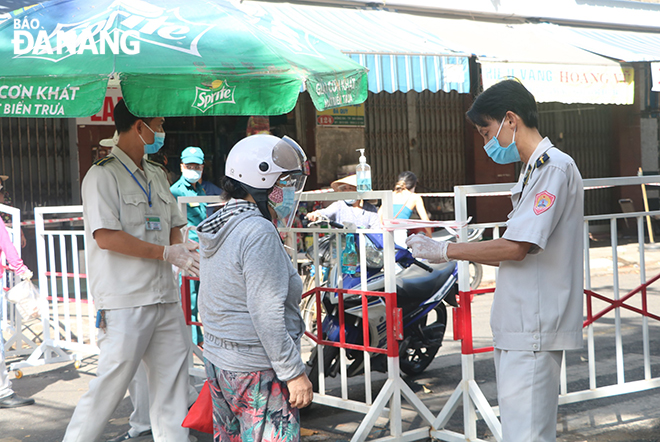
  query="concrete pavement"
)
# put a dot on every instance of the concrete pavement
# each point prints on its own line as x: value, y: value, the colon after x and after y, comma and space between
x: 632, y: 417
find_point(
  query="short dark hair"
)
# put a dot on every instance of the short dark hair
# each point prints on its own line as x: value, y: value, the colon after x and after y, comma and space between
x: 497, y: 100
x: 124, y: 119
x: 233, y: 188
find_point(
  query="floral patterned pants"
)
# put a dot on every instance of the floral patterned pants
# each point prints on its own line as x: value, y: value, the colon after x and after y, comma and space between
x: 251, y: 407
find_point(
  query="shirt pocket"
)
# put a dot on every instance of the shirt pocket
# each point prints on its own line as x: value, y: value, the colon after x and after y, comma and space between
x: 168, y: 205
x: 133, y: 208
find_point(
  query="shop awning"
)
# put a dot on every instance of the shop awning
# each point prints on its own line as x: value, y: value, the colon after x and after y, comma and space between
x: 552, y: 69
x: 400, y: 57
x: 407, y: 52
x: 625, y: 46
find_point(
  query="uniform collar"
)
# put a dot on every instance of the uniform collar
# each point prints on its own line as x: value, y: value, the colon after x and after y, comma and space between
x: 128, y: 162
x: 124, y: 158
x: 544, y: 145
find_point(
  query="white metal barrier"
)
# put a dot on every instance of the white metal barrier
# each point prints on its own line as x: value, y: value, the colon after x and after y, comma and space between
x: 183, y: 202
x: 394, y: 388
x: 468, y: 392
x: 18, y: 343
x: 68, y: 313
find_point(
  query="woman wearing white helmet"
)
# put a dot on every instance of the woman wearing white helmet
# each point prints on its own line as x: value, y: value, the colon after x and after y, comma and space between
x: 249, y: 295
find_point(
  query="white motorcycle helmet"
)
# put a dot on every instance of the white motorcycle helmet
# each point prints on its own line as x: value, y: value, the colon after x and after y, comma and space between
x: 273, y: 171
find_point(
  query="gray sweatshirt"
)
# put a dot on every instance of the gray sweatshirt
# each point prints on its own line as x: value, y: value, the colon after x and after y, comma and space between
x: 249, y: 297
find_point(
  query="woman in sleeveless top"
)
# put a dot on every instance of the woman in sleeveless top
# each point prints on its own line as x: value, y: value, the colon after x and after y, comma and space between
x: 405, y: 201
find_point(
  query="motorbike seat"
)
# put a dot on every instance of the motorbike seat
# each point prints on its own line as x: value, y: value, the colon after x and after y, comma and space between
x: 415, y: 283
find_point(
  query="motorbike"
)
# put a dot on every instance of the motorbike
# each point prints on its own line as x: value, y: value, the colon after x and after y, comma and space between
x: 422, y: 289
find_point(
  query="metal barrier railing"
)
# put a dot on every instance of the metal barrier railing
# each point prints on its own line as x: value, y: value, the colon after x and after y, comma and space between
x: 196, y: 372
x: 394, y: 388
x: 68, y: 312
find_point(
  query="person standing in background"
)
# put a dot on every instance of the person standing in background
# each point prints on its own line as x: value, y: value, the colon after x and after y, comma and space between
x: 5, y: 199
x: 9, y: 399
x: 351, y: 212
x: 161, y: 159
x: 405, y: 202
x: 190, y: 184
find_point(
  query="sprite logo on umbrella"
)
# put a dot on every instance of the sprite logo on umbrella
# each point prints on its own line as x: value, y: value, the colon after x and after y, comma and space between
x: 220, y: 92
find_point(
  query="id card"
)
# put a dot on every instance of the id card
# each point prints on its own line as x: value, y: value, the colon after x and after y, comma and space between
x: 152, y: 222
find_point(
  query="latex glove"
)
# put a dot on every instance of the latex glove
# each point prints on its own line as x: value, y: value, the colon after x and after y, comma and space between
x: 300, y: 391
x: 184, y: 256
x: 25, y: 275
x: 426, y: 248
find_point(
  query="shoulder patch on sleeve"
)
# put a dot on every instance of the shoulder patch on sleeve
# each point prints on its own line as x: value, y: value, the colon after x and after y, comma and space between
x: 543, y: 201
x: 103, y: 161
x: 542, y: 160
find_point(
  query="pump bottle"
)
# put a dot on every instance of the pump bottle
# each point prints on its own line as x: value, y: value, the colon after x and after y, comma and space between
x: 363, y: 172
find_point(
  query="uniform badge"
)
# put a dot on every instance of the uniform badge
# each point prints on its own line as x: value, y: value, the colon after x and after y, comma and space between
x: 543, y: 201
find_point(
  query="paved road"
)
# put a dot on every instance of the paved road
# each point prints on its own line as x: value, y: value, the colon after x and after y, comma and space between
x: 633, y: 417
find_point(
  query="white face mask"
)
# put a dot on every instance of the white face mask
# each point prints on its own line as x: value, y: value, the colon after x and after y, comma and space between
x: 192, y: 176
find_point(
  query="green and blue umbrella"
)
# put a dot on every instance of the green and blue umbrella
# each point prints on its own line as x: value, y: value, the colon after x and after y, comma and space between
x: 170, y: 57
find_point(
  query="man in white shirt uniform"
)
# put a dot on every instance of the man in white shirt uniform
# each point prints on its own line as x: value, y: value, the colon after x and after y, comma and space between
x: 537, y: 307
x: 133, y: 237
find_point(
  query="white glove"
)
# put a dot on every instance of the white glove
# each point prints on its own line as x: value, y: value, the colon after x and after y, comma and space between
x: 26, y: 275
x: 426, y: 248
x: 184, y: 256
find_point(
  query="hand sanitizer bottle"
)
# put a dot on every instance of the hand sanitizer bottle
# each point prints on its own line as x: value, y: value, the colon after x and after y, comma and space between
x: 349, y: 258
x: 363, y: 172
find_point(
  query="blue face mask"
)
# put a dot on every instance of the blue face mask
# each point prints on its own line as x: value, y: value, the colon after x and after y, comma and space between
x: 159, y: 141
x: 499, y: 154
x: 282, y: 202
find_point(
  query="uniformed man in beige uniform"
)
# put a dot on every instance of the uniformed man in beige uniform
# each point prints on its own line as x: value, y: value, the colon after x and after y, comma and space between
x: 133, y: 237
x: 537, y: 307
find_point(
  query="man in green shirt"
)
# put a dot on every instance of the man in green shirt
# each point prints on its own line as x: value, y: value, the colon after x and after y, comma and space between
x: 190, y: 184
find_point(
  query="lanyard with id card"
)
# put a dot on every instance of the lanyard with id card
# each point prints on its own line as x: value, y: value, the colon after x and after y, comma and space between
x: 152, y: 222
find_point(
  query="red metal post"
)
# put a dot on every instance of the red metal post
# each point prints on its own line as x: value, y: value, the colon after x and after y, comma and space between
x: 365, y: 322
x: 465, y: 311
x: 185, y: 299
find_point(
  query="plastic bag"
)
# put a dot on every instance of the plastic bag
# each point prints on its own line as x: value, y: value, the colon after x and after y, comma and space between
x: 26, y: 297
x: 200, y: 415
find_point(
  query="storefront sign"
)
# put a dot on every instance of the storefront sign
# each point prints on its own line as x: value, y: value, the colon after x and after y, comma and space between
x: 33, y: 97
x: 105, y: 116
x: 655, y: 77
x: 567, y: 83
x: 341, y: 116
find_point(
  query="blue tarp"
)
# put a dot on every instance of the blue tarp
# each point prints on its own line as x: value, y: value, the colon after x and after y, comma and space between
x: 400, y: 55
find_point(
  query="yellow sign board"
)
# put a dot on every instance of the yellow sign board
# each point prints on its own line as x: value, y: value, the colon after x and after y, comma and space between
x: 341, y: 116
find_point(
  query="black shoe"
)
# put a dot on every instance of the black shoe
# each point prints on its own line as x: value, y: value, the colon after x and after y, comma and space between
x: 14, y: 401
x: 127, y: 436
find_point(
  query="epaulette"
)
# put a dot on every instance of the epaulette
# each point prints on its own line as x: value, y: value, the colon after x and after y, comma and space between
x: 542, y: 160
x: 103, y: 161
x: 154, y: 163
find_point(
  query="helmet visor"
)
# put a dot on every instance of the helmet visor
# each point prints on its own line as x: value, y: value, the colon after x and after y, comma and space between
x: 288, y: 155
x: 285, y: 196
